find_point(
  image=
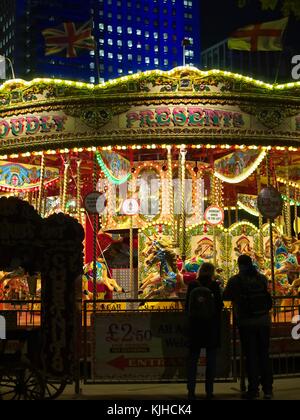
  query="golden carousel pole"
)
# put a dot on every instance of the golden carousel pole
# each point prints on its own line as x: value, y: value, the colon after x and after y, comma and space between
x: 288, y: 195
x: 260, y: 221
x: 78, y: 196
x: 183, y: 153
x: 215, y: 182
x: 95, y: 231
x: 178, y: 217
x: 29, y: 197
x: 61, y: 191
x: 268, y: 170
x: 171, y: 194
x: 131, y: 265
x: 65, y: 187
x: 296, y: 215
x: 41, y: 187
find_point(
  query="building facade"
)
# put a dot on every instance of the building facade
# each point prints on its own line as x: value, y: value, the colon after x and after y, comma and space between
x: 268, y: 66
x: 131, y: 36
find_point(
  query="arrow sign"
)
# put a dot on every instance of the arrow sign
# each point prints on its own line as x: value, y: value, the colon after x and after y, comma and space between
x: 140, y: 362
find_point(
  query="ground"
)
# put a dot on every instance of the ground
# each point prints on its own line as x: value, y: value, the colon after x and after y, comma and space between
x: 284, y: 389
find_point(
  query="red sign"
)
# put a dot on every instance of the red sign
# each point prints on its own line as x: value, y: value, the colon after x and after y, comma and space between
x: 214, y: 215
x: 270, y: 203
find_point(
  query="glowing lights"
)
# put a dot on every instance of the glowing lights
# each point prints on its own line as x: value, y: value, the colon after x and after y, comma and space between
x: 245, y: 174
x: 151, y: 147
x: 290, y: 183
x: 108, y: 174
x: 126, y: 79
x: 243, y: 223
x: 253, y: 212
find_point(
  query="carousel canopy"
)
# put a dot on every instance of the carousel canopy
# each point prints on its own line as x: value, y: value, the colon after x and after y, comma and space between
x: 184, y: 105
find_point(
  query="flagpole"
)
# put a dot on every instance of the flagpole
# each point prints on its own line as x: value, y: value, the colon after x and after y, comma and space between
x: 281, y: 52
x: 11, y: 67
x: 185, y: 43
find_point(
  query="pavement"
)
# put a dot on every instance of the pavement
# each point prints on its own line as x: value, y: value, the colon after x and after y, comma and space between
x: 284, y: 389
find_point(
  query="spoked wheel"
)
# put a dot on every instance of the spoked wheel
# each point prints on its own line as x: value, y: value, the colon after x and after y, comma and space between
x: 23, y: 383
x: 54, y: 388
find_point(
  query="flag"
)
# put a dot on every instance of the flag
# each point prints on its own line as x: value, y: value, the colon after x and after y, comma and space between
x: 70, y: 36
x: 2, y: 67
x: 259, y: 37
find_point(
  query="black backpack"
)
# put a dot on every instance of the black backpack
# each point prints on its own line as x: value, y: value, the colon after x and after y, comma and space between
x: 201, y: 305
x: 255, y: 299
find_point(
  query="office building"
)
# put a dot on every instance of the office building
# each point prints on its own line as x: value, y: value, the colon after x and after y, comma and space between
x: 131, y: 36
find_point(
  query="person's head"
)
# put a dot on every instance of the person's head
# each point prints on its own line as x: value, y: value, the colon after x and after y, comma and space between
x: 206, y: 269
x: 245, y: 263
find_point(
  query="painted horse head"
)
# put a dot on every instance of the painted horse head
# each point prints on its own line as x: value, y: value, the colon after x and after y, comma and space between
x: 161, y: 252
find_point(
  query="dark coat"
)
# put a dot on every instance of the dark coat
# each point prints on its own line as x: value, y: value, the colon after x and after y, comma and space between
x: 206, y: 334
x: 233, y: 292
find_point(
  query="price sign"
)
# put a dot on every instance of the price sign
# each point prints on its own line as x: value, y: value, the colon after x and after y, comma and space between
x: 270, y: 202
x: 95, y: 202
x: 214, y: 216
x: 130, y: 207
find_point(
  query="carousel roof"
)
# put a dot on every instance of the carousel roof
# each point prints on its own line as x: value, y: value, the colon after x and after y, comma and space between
x: 181, y: 106
x: 179, y: 79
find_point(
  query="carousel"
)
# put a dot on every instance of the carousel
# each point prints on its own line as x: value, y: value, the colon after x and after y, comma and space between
x: 178, y: 160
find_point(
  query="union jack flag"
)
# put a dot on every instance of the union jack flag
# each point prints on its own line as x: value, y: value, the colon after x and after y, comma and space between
x: 69, y: 36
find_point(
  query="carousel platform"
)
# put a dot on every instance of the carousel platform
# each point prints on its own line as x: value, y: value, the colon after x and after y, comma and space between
x: 284, y: 389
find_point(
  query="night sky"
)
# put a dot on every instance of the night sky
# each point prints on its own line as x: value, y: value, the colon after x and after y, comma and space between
x: 220, y: 18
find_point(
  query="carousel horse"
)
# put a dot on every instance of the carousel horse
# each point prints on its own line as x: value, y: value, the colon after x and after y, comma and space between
x: 166, y: 281
x: 14, y: 285
x: 287, y: 268
x: 104, y: 283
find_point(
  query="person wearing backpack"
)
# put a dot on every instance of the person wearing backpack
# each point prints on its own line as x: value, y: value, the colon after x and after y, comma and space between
x: 203, y: 309
x: 248, y: 290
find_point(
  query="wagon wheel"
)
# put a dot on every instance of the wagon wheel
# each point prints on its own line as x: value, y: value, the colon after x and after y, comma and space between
x: 54, y: 388
x: 22, y: 383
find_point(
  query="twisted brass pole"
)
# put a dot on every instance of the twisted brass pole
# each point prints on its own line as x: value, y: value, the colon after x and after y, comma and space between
x: 288, y: 195
x: 261, y: 234
x: 78, y: 197
x: 183, y: 153
x: 65, y: 187
x: 41, y: 187
x: 171, y: 193
x: 95, y: 226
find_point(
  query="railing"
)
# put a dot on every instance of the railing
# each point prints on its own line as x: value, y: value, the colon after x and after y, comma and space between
x: 112, y: 316
x: 21, y: 313
x: 285, y: 349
